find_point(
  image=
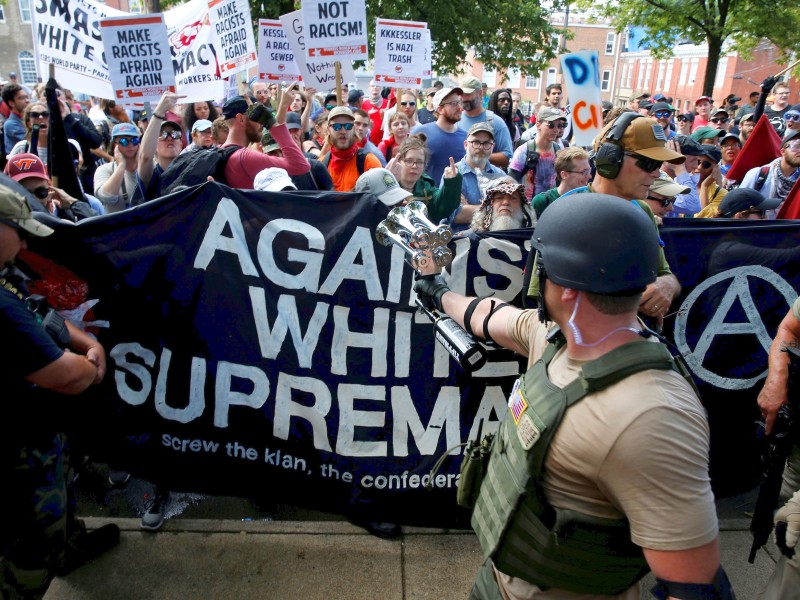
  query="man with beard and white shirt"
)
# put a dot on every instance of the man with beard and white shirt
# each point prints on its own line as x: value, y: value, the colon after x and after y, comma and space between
x: 477, y: 173
x: 444, y: 137
x: 775, y: 180
x: 504, y: 207
x: 472, y: 101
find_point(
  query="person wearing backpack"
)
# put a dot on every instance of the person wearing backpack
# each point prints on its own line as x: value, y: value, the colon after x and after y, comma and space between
x: 245, y: 125
x: 775, y: 180
x: 533, y: 163
x: 346, y: 161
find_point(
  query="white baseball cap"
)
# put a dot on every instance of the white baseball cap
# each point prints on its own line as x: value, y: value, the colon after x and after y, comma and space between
x: 383, y: 184
x: 273, y: 179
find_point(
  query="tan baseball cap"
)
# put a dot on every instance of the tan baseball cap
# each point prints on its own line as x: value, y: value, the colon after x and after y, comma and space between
x: 643, y: 136
x: 482, y: 126
x: 341, y: 111
x: 549, y: 114
x: 15, y: 211
x: 666, y: 186
x: 470, y: 84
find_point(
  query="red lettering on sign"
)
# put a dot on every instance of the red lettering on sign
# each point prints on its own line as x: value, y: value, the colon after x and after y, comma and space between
x: 592, y: 122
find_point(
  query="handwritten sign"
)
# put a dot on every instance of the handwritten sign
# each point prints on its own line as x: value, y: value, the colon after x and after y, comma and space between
x: 275, y: 56
x: 232, y: 26
x: 400, y: 53
x: 582, y: 76
x: 320, y: 75
x: 138, y: 54
x: 335, y: 29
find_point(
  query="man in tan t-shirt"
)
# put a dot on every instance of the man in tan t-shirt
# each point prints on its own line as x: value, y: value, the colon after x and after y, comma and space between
x: 636, y: 450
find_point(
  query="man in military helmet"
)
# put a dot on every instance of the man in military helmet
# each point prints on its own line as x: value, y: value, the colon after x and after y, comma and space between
x: 580, y: 502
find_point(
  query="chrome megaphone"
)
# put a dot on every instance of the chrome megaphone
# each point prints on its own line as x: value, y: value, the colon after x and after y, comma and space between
x: 418, y: 214
x: 442, y: 256
x: 387, y: 235
x: 401, y: 218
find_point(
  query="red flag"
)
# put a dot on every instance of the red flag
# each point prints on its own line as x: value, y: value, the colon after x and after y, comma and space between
x: 762, y: 147
x: 790, y: 209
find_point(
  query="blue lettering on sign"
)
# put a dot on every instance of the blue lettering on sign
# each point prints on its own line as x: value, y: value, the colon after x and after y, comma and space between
x: 581, y: 71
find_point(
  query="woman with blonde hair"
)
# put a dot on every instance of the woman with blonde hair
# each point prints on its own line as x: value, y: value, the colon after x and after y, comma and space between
x: 399, y: 126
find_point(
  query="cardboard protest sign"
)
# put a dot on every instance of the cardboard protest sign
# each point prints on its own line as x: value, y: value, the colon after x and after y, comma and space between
x: 582, y: 76
x: 335, y: 30
x: 194, y: 55
x: 67, y: 35
x: 428, y: 59
x: 234, y: 35
x: 138, y: 55
x: 399, y: 53
x: 275, y: 57
x: 320, y: 75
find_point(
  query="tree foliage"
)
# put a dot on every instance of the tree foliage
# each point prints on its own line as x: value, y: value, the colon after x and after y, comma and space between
x: 735, y: 24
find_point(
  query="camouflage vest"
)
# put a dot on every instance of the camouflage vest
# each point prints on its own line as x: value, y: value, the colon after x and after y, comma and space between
x: 517, y: 527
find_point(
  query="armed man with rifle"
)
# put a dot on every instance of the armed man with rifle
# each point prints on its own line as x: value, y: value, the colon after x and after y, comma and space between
x: 599, y: 471
x: 779, y: 402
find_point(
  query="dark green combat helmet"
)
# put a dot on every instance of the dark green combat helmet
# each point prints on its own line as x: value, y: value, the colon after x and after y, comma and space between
x: 597, y: 243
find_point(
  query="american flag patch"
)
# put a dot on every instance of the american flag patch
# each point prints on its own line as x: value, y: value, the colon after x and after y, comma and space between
x: 517, y: 406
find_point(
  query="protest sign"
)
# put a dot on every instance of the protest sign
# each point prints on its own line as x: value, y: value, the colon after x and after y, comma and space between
x: 275, y: 56
x: 193, y: 53
x: 400, y: 53
x: 428, y: 60
x: 138, y: 55
x: 320, y: 75
x: 335, y: 30
x: 234, y: 35
x: 67, y: 35
x: 582, y: 77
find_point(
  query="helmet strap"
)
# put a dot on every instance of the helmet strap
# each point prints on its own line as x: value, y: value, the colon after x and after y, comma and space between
x: 576, y: 332
x: 542, y: 275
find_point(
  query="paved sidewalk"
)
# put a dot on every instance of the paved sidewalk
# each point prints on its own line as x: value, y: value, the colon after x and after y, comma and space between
x: 211, y: 559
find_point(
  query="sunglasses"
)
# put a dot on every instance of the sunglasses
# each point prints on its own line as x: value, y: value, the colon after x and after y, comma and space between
x: 556, y: 125
x: 330, y: 106
x: 128, y: 141
x: 682, y: 119
x: 39, y: 115
x: 665, y: 202
x: 719, y: 120
x: 662, y: 114
x: 789, y: 116
x: 340, y: 126
x: 41, y: 192
x: 412, y: 103
x: 165, y: 135
x: 705, y: 164
x: 646, y: 164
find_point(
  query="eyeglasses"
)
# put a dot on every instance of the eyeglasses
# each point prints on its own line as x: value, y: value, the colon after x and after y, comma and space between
x: 128, y: 141
x: 413, y: 163
x: 330, y: 106
x: 584, y: 172
x: 41, y: 192
x: 646, y: 164
x: 719, y: 120
x: 165, y: 135
x: 662, y: 114
x: 705, y: 164
x: 556, y: 124
x: 477, y: 144
x: 39, y: 115
x: 412, y: 103
x: 794, y: 145
x: 789, y: 116
x: 453, y: 102
x: 340, y: 126
x: 665, y: 202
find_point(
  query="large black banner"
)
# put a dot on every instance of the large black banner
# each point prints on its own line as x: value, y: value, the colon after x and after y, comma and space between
x: 265, y: 344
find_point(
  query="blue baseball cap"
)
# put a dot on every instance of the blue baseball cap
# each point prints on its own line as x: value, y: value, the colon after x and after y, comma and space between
x: 125, y: 129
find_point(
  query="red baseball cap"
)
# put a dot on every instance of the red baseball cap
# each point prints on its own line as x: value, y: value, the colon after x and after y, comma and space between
x: 22, y: 166
x: 704, y: 99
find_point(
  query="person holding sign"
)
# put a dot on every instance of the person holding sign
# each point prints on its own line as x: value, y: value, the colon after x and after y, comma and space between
x: 245, y: 125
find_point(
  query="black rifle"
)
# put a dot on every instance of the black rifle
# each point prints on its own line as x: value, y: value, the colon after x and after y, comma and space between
x: 777, y: 446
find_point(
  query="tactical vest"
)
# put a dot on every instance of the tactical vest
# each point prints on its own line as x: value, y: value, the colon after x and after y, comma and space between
x: 517, y: 527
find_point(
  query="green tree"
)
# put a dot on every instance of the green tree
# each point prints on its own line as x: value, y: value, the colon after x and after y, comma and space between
x: 738, y: 24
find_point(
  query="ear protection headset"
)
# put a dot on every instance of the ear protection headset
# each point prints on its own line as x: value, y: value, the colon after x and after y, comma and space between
x: 609, y: 156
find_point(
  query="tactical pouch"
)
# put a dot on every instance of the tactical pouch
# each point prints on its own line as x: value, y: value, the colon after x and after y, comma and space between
x: 473, y: 470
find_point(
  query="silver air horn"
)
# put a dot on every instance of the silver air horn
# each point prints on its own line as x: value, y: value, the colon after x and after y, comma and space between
x: 386, y: 234
x: 410, y: 228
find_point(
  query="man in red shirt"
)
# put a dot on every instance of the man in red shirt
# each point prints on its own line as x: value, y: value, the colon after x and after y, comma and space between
x: 702, y: 106
x: 243, y: 129
x: 375, y: 105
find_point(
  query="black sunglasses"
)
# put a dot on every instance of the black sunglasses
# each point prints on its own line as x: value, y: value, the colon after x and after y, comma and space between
x: 719, y: 120
x: 41, y: 192
x: 665, y: 202
x: 646, y: 164
x: 412, y: 103
x: 705, y: 164
x: 554, y: 124
x: 682, y: 118
x: 39, y: 115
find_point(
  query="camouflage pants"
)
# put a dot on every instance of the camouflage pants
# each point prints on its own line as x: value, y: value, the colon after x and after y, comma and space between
x: 34, y: 534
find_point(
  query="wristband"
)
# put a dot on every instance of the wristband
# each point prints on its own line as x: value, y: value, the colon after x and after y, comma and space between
x: 162, y: 117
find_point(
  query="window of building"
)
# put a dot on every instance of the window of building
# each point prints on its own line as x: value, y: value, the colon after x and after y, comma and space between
x: 660, y: 76
x: 648, y: 71
x: 640, y: 77
x: 2, y: 13
x: 721, y: 68
x: 27, y: 68
x: 693, y: 70
x: 629, y: 74
x: 610, y: 39
x: 25, y: 10
x: 489, y: 77
x: 531, y: 82
x: 512, y: 78
x: 684, y: 72
x: 551, y: 75
x: 668, y: 77
x: 605, y: 82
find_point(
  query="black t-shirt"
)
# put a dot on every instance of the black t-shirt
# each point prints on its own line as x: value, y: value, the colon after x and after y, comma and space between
x: 776, y: 118
x: 27, y: 348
